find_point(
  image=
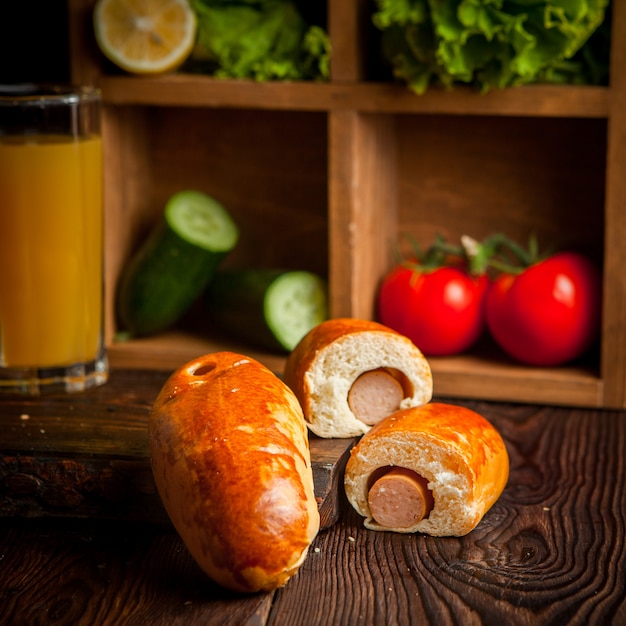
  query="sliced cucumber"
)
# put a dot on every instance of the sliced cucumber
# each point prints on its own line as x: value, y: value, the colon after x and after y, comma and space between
x: 269, y: 308
x: 175, y: 263
x: 201, y: 220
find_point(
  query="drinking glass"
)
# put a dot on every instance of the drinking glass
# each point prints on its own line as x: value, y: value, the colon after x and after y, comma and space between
x: 51, y: 239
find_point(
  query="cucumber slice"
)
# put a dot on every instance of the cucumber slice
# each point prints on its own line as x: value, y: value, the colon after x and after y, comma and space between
x: 269, y: 308
x: 201, y: 220
x: 175, y: 263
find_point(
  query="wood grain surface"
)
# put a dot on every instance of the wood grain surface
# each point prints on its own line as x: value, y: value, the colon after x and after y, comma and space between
x: 550, y: 552
x: 86, y: 455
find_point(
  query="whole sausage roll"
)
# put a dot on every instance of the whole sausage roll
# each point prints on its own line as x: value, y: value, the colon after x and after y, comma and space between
x: 348, y: 374
x: 435, y: 469
x: 231, y: 462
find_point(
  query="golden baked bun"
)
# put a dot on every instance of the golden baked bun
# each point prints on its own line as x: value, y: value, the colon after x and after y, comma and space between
x: 436, y: 469
x: 230, y: 458
x: 348, y: 374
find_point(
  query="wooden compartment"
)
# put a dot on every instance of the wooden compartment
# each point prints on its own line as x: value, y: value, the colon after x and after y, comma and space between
x: 326, y: 176
x: 268, y: 168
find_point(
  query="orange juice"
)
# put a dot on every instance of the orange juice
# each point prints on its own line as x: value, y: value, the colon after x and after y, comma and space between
x: 51, y: 220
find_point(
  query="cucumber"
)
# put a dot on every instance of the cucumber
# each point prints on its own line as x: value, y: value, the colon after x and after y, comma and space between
x: 269, y: 308
x: 175, y: 263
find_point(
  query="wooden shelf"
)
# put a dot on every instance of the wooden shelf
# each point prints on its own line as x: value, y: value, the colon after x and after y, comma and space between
x: 476, y: 376
x: 203, y: 91
x: 471, y: 376
x: 175, y: 348
x: 326, y: 176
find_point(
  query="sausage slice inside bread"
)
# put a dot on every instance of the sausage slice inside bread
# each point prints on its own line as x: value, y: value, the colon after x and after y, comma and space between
x: 348, y: 374
x: 435, y: 469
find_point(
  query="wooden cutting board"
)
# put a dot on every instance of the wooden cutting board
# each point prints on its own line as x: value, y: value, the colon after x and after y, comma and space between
x: 85, y: 455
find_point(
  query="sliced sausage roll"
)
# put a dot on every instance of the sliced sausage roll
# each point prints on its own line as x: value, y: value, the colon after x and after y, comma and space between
x: 435, y: 469
x: 348, y: 374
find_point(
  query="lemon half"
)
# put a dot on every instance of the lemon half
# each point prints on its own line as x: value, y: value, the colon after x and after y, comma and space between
x: 145, y: 36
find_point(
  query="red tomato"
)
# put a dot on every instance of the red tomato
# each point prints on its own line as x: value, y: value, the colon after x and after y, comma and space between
x: 550, y: 313
x: 440, y: 310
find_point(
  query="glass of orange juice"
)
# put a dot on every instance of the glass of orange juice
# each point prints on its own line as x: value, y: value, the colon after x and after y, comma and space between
x: 51, y: 240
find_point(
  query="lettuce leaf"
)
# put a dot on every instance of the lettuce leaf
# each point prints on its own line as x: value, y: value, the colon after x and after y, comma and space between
x: 260, y: 40
x: 490, y: 43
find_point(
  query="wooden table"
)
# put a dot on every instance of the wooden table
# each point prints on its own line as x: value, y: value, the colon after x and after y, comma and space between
x: 551, y: 551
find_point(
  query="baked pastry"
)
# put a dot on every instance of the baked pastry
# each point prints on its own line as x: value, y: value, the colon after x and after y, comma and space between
x: 348, y: 374
x: 231, y: 461
x: 434, y: 469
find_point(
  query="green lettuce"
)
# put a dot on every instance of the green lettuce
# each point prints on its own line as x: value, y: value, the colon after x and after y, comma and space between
x: 491, y: 43
x: 259, y: 40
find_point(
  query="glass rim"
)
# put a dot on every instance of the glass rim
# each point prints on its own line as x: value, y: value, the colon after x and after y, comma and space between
x: 39, y: 94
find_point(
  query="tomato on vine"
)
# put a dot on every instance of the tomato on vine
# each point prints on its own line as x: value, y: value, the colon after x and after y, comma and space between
x: 547, y: 312
x: 541, y: 310
x: 435, y: 299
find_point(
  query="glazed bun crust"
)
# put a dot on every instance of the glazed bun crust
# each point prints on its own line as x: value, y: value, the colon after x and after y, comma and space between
x: 323, y: 367
x: 460, y: 454
x: 230, y: 457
